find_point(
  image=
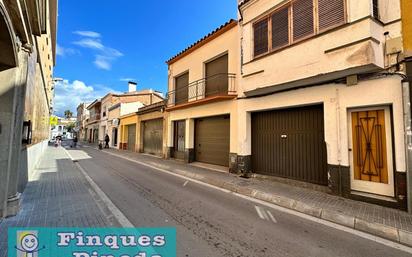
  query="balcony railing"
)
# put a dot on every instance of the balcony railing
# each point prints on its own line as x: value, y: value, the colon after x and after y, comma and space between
x: 223, y: 84
x: 94, y: 117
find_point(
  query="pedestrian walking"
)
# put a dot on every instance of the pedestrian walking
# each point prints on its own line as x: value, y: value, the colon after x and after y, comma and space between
x: 75, y: 141
x: 107, y: 140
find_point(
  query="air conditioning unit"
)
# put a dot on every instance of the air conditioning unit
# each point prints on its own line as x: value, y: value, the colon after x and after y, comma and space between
x: 115, y: 122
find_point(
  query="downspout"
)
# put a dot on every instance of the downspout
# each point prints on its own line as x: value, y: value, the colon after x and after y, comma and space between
x: 241, y: 39
x: 338, y: 140
x: 408, y: 139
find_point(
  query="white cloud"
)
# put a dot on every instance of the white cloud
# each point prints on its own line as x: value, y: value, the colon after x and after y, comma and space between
x: 104, y: 56
x: 103, y: 62
x: 87, y: 33
x: 64, y: 51
x: 90, y: 43
x: 127, y: 79
x: 69, y: 95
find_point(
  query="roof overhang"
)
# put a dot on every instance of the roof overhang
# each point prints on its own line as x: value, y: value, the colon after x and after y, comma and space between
x: 311, y: 81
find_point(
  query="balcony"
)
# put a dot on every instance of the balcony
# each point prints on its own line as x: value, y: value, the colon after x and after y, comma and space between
x: 214, y: 88
x: 94, y: 118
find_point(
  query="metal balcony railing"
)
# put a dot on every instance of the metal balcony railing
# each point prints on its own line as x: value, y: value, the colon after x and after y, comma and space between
x: 94, y: 117
x: 222, y: 84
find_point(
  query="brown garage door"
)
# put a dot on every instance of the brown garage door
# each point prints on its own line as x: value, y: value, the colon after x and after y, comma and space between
x: 290, y: 143
x: 131, y: 137
x: 212, y: 140
x: 153, y: 136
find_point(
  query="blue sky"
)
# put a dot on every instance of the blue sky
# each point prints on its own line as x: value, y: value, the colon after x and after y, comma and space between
x: 102, y: 44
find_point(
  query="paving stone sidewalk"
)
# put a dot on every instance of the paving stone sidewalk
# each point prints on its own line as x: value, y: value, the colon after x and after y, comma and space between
x: 57, y: 196
x: 385, y: 222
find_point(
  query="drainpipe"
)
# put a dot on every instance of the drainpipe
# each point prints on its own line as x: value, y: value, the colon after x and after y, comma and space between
x: 338, y: 140
x: 408, y: 139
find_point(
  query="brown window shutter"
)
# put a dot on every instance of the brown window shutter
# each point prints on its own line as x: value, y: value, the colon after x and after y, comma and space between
x: 303, y: 24
x: 280, y: 28
x: 331, y: 13
x: 260, y: 30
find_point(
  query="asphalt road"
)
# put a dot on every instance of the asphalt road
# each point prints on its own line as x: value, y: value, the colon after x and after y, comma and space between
x: 212, y: 223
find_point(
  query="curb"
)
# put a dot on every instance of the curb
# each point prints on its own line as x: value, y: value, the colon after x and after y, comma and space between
x: 376, y: 229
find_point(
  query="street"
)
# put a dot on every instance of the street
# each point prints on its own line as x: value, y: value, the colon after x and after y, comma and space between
x: 210, y: 222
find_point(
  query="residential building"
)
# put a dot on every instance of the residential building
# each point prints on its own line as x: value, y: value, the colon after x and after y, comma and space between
x: 27, y: 58
x: 202, y: 88
x: 124, y: 104
x: 321, y: 92
x: 64, y: 128
x: 93, y: 121
x: 151, y: 129
x: 81, y: 125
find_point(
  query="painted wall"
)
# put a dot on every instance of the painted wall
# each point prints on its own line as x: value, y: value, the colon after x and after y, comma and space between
x: 407, y: 26
x: 195, y: 61
x: 312, y: 57
x: 152, y: 116
x: 337, y: 100
x: 127, y: 108
x: 205, y: 110
x: 123, y: 128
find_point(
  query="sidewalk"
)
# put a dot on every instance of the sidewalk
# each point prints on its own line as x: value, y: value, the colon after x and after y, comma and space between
x: 384, y: 222
x: 57, y: 196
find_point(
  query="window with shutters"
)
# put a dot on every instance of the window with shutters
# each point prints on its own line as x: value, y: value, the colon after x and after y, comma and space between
x: 280, y: 28
x: 260, y: 39
x: 296, y: 21
x: 303, y: 24
x: 331, y: 13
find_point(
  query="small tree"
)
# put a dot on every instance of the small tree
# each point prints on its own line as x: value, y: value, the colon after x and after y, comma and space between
x: 68, y: 114
x: 70, y: 127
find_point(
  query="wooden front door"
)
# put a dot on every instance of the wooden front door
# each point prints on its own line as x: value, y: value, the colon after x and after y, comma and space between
x: 179, y: 139
x: 371, y: 147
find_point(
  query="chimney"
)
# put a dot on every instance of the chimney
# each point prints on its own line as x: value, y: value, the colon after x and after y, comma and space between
x: 132, y: 86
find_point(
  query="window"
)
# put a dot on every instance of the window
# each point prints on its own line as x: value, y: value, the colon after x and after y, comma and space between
x: 261, y: 37
x: 280, y: 28
x: 331, y: 13
x: 296, y: 21
x: 303, y: 25
x: 375, y: 6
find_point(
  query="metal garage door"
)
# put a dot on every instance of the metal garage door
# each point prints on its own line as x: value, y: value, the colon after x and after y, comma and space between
x: 153, y: 136
x: 212, y: 140
x: 131, y: 137
x: 290, y: 143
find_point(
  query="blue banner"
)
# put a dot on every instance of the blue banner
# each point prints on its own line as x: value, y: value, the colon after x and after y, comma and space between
x: 92, y: 242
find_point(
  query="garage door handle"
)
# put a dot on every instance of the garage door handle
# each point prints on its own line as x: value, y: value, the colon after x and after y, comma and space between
x: 284, y: 136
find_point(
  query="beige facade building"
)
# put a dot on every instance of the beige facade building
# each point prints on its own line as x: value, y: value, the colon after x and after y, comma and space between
x: 93, y: 121
x: 81, y: 125
x: 202, y: 85
x: 27, y: 57
x: 321, y: 96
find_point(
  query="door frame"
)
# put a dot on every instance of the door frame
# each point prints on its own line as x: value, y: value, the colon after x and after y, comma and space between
x: 368, y: 186
x: 178, y: 154
x: 143, y: 131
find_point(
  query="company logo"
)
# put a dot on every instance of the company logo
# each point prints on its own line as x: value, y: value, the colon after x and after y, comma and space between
x: 28, y: 244
x: 92, y: 242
